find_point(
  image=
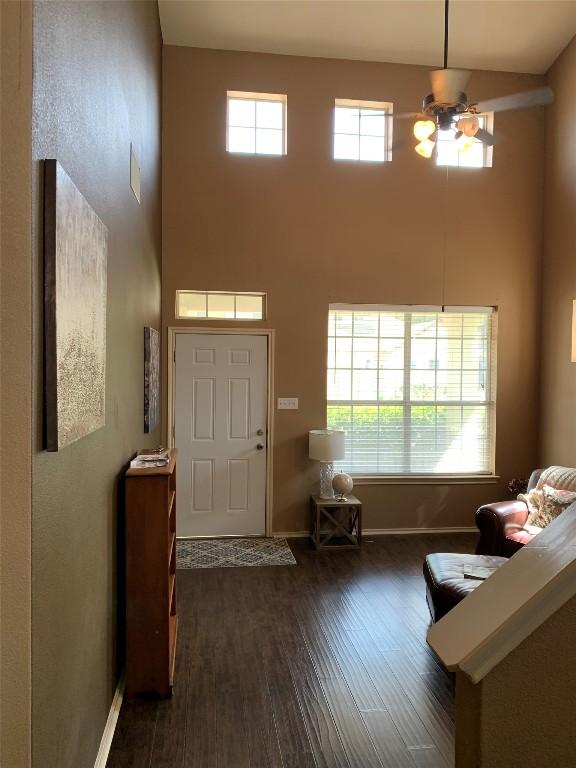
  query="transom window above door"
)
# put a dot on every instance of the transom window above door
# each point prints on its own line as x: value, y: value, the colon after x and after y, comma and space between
x: 362, y: 130
x: 256, y: 123
x: 413, y: 388
x: 220, y: 305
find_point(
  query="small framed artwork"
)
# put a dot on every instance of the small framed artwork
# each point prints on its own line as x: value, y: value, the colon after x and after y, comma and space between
x: 75, y: 258
x: 151, y: 379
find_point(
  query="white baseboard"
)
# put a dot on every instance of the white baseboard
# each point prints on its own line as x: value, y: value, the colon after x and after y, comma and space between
x: 382, y: 532
x: 110, y: 727
x: 409, y: 531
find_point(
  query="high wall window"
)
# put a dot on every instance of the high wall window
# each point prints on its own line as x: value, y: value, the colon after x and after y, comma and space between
x: 413, y: 388
x: 256, y: 123
x: 464, y: 152
x: 362, y: 130
x: 203, y: 305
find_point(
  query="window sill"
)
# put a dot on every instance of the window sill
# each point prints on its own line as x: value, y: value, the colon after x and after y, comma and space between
x: 425, y: 479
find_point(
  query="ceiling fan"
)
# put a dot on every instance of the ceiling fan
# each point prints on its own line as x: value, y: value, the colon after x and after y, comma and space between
x: 448, y: 108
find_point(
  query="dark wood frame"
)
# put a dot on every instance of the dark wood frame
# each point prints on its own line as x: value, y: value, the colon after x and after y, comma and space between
x: 52, y: 434
x: 151, y: 418
x: 50, y: 360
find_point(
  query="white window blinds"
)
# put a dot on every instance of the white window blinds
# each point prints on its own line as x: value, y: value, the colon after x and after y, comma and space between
x: 413, y: 388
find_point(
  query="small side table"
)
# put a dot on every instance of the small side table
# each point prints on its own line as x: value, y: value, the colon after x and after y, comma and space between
x: 336, y: 524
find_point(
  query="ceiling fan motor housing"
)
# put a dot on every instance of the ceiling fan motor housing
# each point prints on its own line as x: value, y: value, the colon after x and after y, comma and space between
x: 444, y: 113
x: 448, y: 85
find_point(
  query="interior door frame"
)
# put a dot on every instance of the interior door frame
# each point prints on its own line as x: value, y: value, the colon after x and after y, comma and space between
x: 173, y: 331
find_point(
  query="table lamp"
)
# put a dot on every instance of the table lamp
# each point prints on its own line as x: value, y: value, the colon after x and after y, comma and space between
x: 326, y: 446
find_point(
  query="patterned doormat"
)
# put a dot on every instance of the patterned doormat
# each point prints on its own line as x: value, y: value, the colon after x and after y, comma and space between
x: 230, y: 553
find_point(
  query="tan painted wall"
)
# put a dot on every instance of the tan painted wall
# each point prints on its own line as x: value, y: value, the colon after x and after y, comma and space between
x: 309, y: 231
x: 15, y: 382
x: 522, y: 713
x: 96, y: 89
x: 558, y: 442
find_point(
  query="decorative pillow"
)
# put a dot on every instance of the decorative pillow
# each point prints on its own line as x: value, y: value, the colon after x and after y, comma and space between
x: 558, y: 477
x: 533, y: 500
x: 553, y: 503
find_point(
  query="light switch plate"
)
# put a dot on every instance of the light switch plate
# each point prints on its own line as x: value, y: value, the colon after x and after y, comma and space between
x: 287, y: 403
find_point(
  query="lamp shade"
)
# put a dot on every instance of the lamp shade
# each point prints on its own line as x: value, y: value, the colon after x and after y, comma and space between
x: 326, y: 444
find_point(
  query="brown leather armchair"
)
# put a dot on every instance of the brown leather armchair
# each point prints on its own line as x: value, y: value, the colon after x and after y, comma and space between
x: 501, y: 525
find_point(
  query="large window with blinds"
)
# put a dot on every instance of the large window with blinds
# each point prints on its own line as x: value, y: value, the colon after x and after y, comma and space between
x: 413, y: 388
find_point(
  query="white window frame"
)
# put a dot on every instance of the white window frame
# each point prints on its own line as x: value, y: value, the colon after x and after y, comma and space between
x: 235, y: 294
x: 488, y: 150
x: 280, y: 98
x: 488, y: 476
x: 378, y: 106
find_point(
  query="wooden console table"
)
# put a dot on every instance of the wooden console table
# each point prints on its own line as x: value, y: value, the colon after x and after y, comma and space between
x: 151, y: 617
x: 336, y: 524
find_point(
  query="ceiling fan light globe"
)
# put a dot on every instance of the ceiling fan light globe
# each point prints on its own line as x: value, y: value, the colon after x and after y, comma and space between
x: 423, y: 129
x: 468, y: 125
x: 465, y: 143
x: 425, y: 148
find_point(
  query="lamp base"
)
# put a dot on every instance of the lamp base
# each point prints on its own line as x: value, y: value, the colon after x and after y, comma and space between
x: 326, y: 475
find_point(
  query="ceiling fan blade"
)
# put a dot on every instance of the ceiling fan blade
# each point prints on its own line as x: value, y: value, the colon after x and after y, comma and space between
x: 484, y: 136
x: 405, y: 115
x: 448, y: 84
x: 539, y: 97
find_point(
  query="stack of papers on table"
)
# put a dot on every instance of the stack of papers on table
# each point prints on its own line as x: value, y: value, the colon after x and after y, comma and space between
x: 151, y: 457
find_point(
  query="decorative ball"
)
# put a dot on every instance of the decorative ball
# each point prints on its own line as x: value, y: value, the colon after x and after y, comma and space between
x: 342, y: 484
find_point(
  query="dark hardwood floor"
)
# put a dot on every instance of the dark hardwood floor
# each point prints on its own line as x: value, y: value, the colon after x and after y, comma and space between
x: 319, y: 665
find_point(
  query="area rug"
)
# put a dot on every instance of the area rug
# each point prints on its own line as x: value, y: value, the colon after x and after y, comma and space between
x: 231, y: 553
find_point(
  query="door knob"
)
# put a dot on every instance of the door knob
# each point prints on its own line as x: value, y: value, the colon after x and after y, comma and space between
x: 260, y: 432
x: 260, y: 447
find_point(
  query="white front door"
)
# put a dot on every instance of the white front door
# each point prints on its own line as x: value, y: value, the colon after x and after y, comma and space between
x: 220, y: 424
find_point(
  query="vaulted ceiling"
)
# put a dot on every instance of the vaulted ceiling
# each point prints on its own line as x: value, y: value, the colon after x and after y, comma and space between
x: 511, y: 35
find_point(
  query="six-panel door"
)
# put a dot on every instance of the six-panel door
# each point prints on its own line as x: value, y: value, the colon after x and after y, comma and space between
x: 221, y: 432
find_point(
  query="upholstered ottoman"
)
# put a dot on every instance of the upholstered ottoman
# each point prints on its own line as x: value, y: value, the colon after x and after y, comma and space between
x: 450, y: 577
